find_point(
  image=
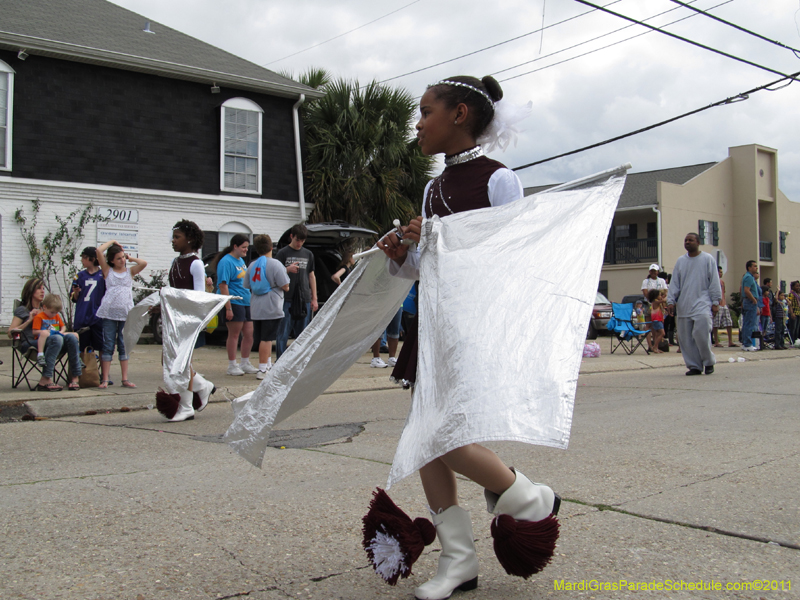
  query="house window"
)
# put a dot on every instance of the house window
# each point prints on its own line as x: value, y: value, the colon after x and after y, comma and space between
x: 240, y: 156
x: 6, y: 113
x: 708, y: 232
x: 625, y: 232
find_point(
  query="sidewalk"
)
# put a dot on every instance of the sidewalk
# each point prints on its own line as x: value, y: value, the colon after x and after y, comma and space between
x: 145, y: 372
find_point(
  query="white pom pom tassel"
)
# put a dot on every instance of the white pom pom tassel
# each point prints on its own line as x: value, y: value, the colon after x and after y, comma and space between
x: 387, y: 556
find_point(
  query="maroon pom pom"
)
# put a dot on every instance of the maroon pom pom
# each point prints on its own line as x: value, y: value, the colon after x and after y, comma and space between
x: 524, y: 547
x: 167, y: 404
x: 196, y: 402
x: 393, y: 541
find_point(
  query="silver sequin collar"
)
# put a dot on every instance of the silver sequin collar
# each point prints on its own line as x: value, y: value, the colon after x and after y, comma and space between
x: 463, y: 157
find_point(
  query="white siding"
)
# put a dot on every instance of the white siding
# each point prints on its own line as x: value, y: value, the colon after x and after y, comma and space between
x: 158, y: 212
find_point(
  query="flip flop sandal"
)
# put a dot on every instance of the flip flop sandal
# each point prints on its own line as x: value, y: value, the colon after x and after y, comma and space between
x: 128, y: 384
x: 103, y: 385
x: 73, y: 386
x: 50, y: 387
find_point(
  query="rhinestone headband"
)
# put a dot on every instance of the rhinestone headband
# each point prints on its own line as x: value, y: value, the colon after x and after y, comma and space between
x: 468, y: 86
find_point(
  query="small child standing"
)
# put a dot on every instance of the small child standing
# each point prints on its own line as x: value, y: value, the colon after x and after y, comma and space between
x: 116, y: 304
x: 657, y: 318
x: 780, y: 311
x: 638, y: 315
x: 48, y: 323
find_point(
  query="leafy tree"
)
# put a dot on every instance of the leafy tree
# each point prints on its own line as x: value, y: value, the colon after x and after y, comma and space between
x: 363, y: 164
x: 54, y: 259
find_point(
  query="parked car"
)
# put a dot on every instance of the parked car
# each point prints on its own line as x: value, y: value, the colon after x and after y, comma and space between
x: 326, y: 242
x: 601, y: 314
x: 633, y: 299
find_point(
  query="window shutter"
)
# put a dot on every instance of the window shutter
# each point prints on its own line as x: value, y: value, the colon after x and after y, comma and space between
x: 715, y: 233
x: 701, y: 231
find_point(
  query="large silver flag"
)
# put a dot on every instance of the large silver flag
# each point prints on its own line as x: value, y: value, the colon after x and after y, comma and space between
x: 505, y: 298
x: 352, y: 319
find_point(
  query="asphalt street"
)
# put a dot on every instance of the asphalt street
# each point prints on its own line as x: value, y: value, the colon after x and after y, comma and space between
x: 669, y: 480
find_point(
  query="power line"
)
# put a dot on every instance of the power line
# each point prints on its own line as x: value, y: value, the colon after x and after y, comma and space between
x: 340, y: 35
x: 683, y: 39
x: 594, y: 39
x: 735, y: 26
x: 444, y: 62
x: 732, y: 100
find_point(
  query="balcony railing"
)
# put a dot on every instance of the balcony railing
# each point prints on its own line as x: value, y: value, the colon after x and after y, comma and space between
x: 765, y: 251
x: 622, y: 252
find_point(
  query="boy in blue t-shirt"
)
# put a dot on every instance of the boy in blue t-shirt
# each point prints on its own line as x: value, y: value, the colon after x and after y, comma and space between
x: 88, y: 289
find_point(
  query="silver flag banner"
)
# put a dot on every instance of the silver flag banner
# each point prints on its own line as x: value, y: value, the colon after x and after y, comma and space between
x: 505, y: 298
x: 184, y: 314
x: 349, y: 323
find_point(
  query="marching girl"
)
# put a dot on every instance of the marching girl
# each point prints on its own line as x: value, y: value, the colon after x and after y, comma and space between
x: 455, y: 113
x: 187, y: 273
x: 115, y: 306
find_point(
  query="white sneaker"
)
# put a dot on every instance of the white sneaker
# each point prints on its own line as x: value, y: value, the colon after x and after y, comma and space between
x: 261, y: 374
x: 378, y: 363
x: 235, y: 370
x: 392, y: 361
x: 748, y: 348
x: 248, y: 368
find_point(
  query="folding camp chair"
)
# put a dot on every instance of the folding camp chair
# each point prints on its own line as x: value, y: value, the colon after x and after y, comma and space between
x: 23, y: 364
x: 623, y: 329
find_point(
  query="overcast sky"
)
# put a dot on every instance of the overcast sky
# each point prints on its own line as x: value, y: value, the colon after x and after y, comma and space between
x: 585, y: 100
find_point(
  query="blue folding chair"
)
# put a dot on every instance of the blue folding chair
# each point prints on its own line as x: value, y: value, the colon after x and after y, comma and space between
x: 623, y: 329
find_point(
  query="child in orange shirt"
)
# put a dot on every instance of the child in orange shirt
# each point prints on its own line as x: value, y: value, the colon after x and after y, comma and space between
x: 48, y: 322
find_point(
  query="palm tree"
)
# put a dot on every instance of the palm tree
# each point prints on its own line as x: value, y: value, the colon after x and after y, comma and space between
x: 363, y: 165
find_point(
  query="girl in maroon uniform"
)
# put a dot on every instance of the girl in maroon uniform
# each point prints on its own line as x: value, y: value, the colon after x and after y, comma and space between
x: 455, y: 113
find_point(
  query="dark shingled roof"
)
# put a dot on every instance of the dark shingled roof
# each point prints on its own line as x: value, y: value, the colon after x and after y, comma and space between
x: 99, y: 32
x: 640, y: 188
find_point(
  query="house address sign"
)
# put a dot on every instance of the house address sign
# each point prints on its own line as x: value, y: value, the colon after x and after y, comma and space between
x: 121, y: 224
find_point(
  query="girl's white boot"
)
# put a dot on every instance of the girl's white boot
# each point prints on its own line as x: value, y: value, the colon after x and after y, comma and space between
x: 185, y: 410
x: 204, y: 389
x: 458, y: 563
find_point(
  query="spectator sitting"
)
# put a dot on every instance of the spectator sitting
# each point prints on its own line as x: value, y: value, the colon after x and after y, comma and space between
x: 33, y: 293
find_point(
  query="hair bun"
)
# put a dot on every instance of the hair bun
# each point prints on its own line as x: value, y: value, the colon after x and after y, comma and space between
x: 494, y: 89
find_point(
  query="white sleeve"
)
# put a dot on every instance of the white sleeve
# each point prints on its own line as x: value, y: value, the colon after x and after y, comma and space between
x: 424, y: 196
x: 198, y: 275
x: 504, y: 187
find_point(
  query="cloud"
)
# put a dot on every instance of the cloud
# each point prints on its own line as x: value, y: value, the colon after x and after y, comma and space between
x: 577, y: 103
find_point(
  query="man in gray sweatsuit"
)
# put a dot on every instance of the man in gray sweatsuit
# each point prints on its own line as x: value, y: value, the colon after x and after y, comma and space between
x: 696, y: 291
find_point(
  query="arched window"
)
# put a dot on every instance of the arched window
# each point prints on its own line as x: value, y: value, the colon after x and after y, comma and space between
x: 240, y: 147
x: 6, y: 114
